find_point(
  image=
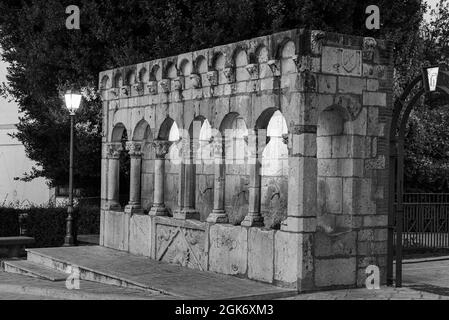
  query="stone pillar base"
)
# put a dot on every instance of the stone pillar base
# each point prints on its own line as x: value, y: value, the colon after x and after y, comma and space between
x: 158, y: 210
x: 185, y: 214
x: 253, y: 221
x: 114, y: 206
x: 133, y: 209
x: 218, y: 216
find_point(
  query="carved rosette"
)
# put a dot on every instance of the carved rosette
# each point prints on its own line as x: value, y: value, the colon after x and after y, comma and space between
x: 229, y: 74
x: 369, y: 45
x: 275, y: 67
x: 152, y: 87
x: 253, y: 70
x: 316, y: 41
x: 134, y: 149
x: 164, y: 85
x: 114, y: 150
x: 178, y: 84
x: 161, y: 148
x: 212, y: 77
x: 139, y: 87
x: 196, y: 80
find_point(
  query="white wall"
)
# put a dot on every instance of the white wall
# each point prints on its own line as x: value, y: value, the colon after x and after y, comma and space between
x: 13, y: 161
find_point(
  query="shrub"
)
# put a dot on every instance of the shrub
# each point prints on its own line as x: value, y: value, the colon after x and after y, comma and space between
x: 9, y: 222
x: 47, y: 225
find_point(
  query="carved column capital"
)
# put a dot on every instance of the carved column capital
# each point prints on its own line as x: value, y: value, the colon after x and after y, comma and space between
x: 178, y: 84
x: 161, y: 148
x: 134, y: 148
x: 212, y: 77
x: 229, y: 74
x: 114, y: 150
x: 164, y: 85
x: 316, y: 41
x: 152, y: 87
x: 196, y: 80
x: 253, y: 70
x: 275, y: 67
x: 369, y: 45
x: 139, y: 88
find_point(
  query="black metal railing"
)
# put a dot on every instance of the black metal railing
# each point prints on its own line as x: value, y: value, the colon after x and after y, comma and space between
x: 425, y: 221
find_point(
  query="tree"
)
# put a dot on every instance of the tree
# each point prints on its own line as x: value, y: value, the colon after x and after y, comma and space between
x: 45, y: 56
x: 427, y: 137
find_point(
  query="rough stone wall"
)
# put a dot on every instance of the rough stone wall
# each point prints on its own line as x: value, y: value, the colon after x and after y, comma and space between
x: 334, y: 92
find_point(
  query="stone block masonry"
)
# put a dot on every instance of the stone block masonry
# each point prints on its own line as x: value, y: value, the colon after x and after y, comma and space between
x: 261, y: 159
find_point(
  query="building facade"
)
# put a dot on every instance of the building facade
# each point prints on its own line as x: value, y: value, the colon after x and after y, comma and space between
x: 14, y: 162
x: 264, y: 159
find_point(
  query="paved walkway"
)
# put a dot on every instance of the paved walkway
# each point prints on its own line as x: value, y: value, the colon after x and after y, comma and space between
x: 179, y: 282
x: 15, y: 286
x: 423, y: 280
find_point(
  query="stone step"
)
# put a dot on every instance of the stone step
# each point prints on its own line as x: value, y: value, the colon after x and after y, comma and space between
x: 31, y: 269
x: 85, y: 273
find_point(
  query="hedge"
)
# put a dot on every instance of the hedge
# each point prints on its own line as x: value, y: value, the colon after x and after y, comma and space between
x: 9, y: 222
x: 48, y: 225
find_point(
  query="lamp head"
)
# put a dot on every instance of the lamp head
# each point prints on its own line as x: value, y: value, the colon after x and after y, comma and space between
x: 72, y: 100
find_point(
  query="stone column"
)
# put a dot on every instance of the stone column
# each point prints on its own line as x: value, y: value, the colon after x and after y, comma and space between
x: 302, y: 184
x: 254, y: 217
x: 135, y: 153
x: 218, y: 214
x: 114, y: 150
x: 187, y: 185
x: 161, y: 149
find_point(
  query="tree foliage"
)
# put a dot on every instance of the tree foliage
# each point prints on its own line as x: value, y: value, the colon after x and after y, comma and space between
x: 45, y: 56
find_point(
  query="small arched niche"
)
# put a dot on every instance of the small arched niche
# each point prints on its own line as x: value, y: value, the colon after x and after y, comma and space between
x: 333, y: 153
x: 287, y: 53
x: 241, y: 61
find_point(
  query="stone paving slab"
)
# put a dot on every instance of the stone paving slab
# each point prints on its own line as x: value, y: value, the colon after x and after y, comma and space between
x: 181, y: 282
x: 384, y: 293
x: 12, y: 285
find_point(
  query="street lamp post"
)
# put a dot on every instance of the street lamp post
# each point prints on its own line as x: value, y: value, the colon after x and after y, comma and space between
x: 72, y: 101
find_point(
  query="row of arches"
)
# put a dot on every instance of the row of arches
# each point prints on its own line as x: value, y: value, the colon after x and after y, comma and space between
x: 192, y: 156
x: 247, y: 160
x: 184, y: 67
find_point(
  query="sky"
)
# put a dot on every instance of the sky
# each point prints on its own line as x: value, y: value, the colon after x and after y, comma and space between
x: 431, y: 3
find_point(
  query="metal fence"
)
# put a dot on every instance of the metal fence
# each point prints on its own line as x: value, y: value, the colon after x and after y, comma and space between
x: 426, y: 221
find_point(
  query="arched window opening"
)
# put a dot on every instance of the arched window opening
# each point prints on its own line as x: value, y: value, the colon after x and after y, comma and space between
x: 124, y: 172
